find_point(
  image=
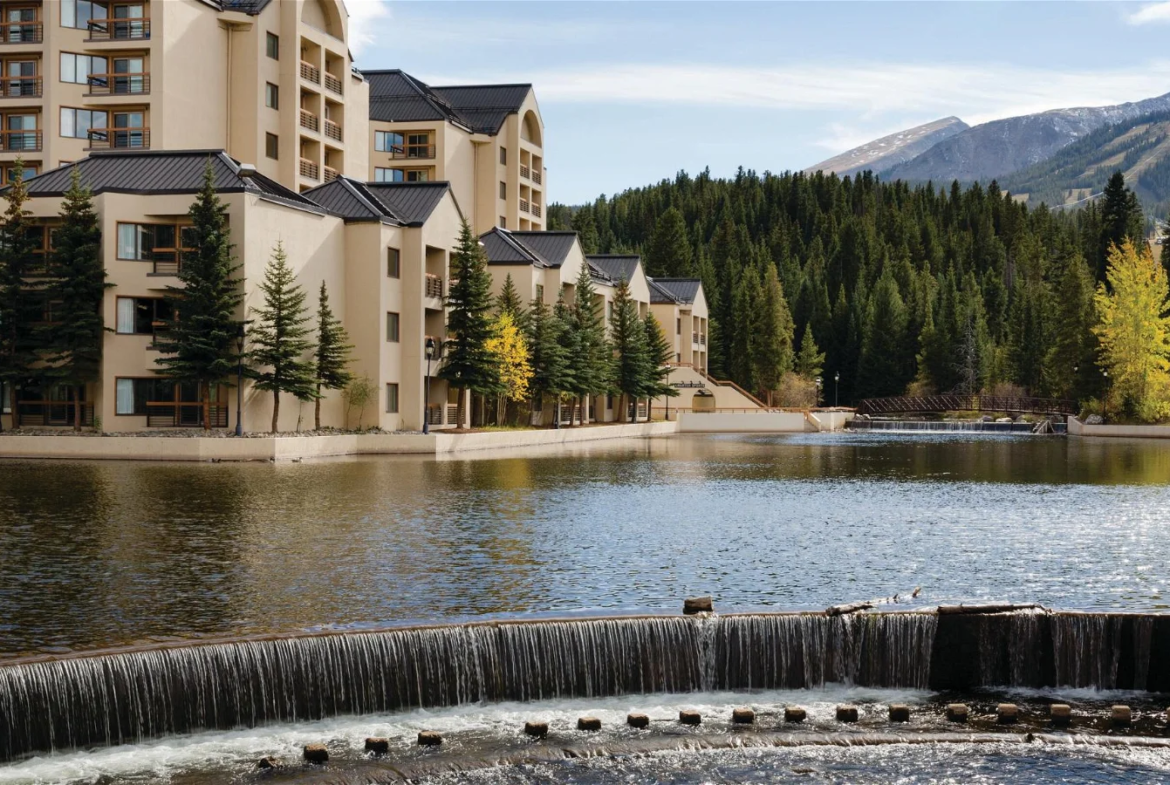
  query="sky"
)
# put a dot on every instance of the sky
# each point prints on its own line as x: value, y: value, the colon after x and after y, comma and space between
x: 631, y: 93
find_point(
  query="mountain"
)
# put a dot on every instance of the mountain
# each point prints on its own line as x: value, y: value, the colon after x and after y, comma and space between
x: 994, y: 149
x: 891, y: 150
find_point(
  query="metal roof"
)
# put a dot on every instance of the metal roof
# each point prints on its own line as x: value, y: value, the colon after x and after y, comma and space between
x: 411, y: 203
x: 486, y: 107
x: 250, y: 7
x: 618, y: 267
x: 396, y: 96
x: 162, y: 172
x: 660, y: 294
x: 348, y: 199
x: 683, y: 290
x: 552, y: 247
x: 502, y: 248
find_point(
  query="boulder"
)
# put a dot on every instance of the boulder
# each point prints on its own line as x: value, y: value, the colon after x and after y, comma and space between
x: 1004, y: 420
x: 589, y: 723
x: 743, y: 716
x: 268, y: 762
x: 689, y: 717
x: 430, y: 738
x: 1094, y: 419
x: 957, y: 712
x: 1061, y: 714
x: 378, y: 746
x: 316, y: 753
x: 536, y: 729
x: 637, y: 720
x: 846, y: 713
x: 1007, y: 713
x: 1120, y: 716
x: 693, y: 605
x: 899, y: 712
x: 794, y: 714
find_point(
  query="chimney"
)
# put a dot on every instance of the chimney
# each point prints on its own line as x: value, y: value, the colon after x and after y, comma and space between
x: 247, y: 170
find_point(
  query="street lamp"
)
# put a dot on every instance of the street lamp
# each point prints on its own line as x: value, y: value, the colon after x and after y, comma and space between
x: 1105, y: 398
x: 430, y: 352
x: 240, y: 380
x: 819, y: 382
x: 836, y: 389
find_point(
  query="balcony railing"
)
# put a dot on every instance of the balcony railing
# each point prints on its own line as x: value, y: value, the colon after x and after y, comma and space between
x: 536, y: 176
x: 119, y: 139
x: 332, y: 83
x: 435, y: 414
x: 21, y: 33
x: 135, y: 29
x: 524, y: 171
x: 119, y: 84
x: 434, y: 286
x: 330, y: 173
x: 310, y: 169
x: 33, y: 413
x: 523, y: 205
x: 399, y: 152
x: 19, y: 141
x: 694, y: 338
x: 169, y: 414
x: 310, y: 120
x: 536, y: 210
x: 20, y: 87
x: 332, y: 130
x: 310, y: 73
x: 166, y: 266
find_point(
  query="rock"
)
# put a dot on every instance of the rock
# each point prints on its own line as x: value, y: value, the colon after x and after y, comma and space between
x: 846, y: 713
x: 688, y: 717
x: 899, y: 712
x: 537, y: 729
x: 1007, y: 713
x: 268, y: 762
x: 1061, y: 714
x: 693, y: 605
x: 588, y: 723
x: 794, y: 714
x: 316, y: 753
x: 637, y: 720
x: 378, y: 746
x: 1094, y: 419
x: 743, y: 716
x: 430, y: 738
x: 986, y: 418
x: 1004, y: 419
x: 1121, y: 716
x: 957, y: 712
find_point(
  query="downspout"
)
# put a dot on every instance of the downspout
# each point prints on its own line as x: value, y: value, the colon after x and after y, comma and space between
x: 228, y: 92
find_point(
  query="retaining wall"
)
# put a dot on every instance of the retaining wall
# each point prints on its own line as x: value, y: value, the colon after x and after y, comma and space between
x: 1078, y: 428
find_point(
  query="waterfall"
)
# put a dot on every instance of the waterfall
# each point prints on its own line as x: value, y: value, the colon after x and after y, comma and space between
x: 947, y: 426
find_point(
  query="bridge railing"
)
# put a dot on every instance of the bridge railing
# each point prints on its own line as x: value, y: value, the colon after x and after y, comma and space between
x: 910, y: 404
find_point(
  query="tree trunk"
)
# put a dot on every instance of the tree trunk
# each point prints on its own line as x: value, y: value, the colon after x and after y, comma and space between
x: 275, y: 409
x: 12, y: 404
x: 317, y: 411
x: 459, y: 408
x: 623, y: 408
x: 205, y: 395
x: 76, y: 410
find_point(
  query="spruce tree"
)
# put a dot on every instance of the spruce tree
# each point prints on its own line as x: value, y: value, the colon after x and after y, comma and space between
x: 508, y: 302
x: 199, y: 344
x: 1121, y: 220
x: 745, y: 314
x: 669, y: 251
x: 590, y: 362
x: 77, y: 287
x: 279, y: 359
x: 19, y: 300
x: 632, y: 364
x: 811, y: 360
x: 469, y: 364
x: 661, y: 356
x: 548, y: 356
x: 880, y: 371
x: 1071, y: 359
x: 772, y: 349
x: 332, y: 355
x: 570, y: 341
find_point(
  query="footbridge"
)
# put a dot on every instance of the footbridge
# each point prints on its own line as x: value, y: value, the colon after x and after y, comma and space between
x: 925, y: 404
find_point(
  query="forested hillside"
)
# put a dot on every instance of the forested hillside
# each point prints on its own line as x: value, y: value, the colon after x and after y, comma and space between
x: 901, y: 287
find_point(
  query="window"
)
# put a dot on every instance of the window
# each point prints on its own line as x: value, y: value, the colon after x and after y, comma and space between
x: 272, y: 146
x: 393, y: 263
x: 540, y: 293
x: 609, y: 400
x: 78, y: 13
x: 392, y: 328
x: 417, y: 175
x: 5, y: 398
x: 391, y: 399
x: 418, y: 146
x: 273, y: 46
x: 503, y: 222
x: 29, y: 140
x: 142, y: 315
x: 678, y: 325
x: 76, y: 69
x: 503, y: 190
x: 504, y: 155
x: 132, y: 395
x: 387, y: 142
x: 271, y: 96
x: 77, y: 123
x: 678, y: 357
x: 154, y: 242
x: 382, y: 175
x: 27, y: 173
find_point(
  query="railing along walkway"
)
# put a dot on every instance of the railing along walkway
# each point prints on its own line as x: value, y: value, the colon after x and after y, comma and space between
x: 906, y: 404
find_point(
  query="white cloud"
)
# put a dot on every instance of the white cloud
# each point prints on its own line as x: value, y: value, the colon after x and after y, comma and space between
x: 362, y: 16
x: 1150, y: 13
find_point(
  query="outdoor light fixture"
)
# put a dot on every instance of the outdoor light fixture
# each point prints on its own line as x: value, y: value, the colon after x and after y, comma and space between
x: 240, y: 380
x: 836, y: 389
x: 429, y: 350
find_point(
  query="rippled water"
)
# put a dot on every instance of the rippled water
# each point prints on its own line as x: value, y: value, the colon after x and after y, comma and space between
x: 95, y: 554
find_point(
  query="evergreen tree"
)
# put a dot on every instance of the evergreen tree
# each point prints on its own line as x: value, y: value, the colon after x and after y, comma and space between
x: 591, y: 360
x: 810, y: 363
x: 77, y: 288
x: 198, y: 346
x: 632, y: 365
x: 881, y: 371
x: 745, y: 314
x: 586, y: 229
x: 772, y: 349
x: 470, y: 365
x: 1028, y: 337
x: 508, y: 302
x: 1121, y: 220
x: 669, y: 251
x: 570, y: 340
x: 280, y: 355
x: 20, y: 302
x: 661, y: 356
x: 332, y: 355
x: 548, y: 355
x: 1071, y: 360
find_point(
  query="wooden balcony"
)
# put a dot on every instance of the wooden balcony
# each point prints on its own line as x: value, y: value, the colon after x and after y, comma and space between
x: 332, y: 130
x: 536, y: 176
x: 310, y: 73
x: 525, y: 172
x: 166, y: 266
x: 434, y: 286
x: 401, y: 152
x: 22, y: 33
x: 119, y: 84
x: 310, y: 120
x: 52, y: 413
x: 332, y: 83
x: 536, y: 210
x: 134, y: 29
x: 331, y: 174
x: 310, y: 169
x: 20, y: 87
x: 524, y: 205
x: 20, y: 141
x: 119, y: 139
x: 168, y: 414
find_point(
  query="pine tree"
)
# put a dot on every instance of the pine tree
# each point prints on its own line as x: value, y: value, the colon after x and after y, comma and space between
x: 470, y: 365
x: 508, y: 302
x: 19, y: 300
x: 1071, y: 360
x: 332, y: 355
x: 745, y: 315
x: 74, y: 342
x: 198, y: 346
x: 669, y: 251
x: 880, y: 370
x: 1028, y: 337
x: 570, y: 341
x: 632, y: 371
x: 280, y: 356
x: 547, y: 354
x: 772, y: 348
x: 810, y: 363
x: 590, y: 363
x: 661, y: 355
x: 586, y: 229
x: 1121, y: 220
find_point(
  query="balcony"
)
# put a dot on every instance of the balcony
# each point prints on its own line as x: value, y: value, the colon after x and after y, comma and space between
x: 536, y: 176
x: 165, y: 266
x: 20, y: 141
x: 169, y: 414
x: 434, y: 286
x: 525, y: 171
x: 310, y: 169
x: 135, y: 29
x: 524, y: 205
x: 34, y: 413
x: 119, y: 84
x: 21, y: 33
x: 332, y: 130
x: 310, y: 73
x: 401, y: 152
x: 310, y: 120
x: 20, y: 87
x: 331, y: 174
x: 119, y: 139
x: 332, y: 83
x: 536, y: 210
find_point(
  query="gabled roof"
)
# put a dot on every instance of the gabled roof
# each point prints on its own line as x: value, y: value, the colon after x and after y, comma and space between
x: 404, y: 204
x: 660, y: 294
x: 617, y: 267
x: 503, y: 248
x: 250, y: 7
x: 162, y: 172
x: 413, y: 203
x: 396, y: 96
x: 683, y: 290
x: 552, y: 247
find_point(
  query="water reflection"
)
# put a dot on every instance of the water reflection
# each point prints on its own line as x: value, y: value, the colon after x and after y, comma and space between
x: 94, y: 554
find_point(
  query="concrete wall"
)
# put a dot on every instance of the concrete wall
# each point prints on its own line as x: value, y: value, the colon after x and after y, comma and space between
x: 762, y: 421
x: 1078, y: 428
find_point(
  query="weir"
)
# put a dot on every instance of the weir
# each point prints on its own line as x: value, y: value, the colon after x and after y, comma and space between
x: 947, y: 426
x: 128, y: 696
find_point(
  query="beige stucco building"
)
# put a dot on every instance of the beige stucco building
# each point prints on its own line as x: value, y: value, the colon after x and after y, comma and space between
x: 486, y: 140
x: 270, y: 81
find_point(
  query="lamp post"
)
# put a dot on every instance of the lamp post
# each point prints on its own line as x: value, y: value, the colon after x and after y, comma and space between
x: 1105, y: 398
x: 240, y: 380
x: 430, y: 353
x: 819, y: 382
x: 836, y: 389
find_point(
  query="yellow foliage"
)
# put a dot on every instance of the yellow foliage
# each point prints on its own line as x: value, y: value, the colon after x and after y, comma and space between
x: 511, y: 351
x: 1135, y: 330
